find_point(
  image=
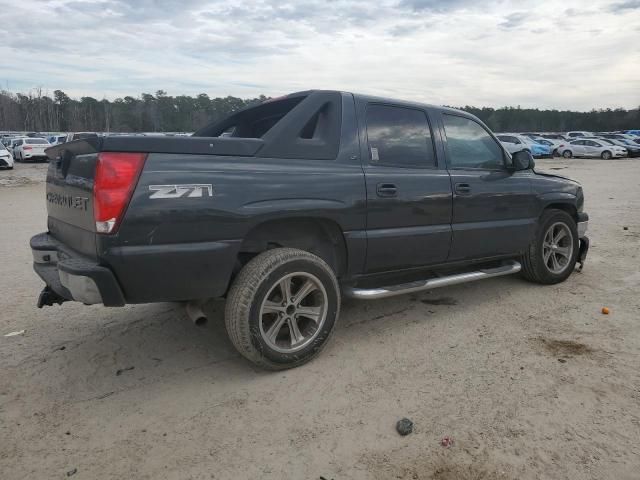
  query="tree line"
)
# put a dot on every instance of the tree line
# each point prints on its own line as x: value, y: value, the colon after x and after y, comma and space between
x: 38, y: 112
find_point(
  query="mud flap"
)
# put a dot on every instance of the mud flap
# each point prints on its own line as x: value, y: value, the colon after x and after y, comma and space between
x: 48, y: 297
x: 582, y: 252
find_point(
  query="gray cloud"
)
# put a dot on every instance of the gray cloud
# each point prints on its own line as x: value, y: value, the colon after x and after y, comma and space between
x: 513, y: 20
x: 435, y: 5
x: 625, y: 6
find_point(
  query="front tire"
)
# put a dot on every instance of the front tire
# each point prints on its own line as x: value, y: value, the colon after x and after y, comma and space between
x: 606, y: 155
x: 282, y: 308
x: 552, y: 255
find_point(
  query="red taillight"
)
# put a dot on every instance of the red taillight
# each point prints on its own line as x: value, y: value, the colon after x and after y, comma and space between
x: 27, y: 148
x: 116, y: 177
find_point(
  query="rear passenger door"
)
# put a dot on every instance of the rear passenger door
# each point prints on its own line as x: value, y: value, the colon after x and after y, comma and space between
x: 493, y: 207
x: 408, y: 193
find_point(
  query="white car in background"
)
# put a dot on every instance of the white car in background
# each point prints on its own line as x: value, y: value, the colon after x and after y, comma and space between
x: 511, y: 142
x: 591, y: 148
x: 578, y: 134
x: 6, y: 159
x: 554, y: 136
x: 31, y: 149
x: 13, y: 144
x: 514, y: 142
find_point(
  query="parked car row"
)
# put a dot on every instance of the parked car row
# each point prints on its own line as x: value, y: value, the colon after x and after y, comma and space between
x: 604, y: 145
x: 30, y: 146
x: 26, y: 149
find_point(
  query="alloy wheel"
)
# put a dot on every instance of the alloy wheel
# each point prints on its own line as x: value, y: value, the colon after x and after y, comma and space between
x: 293, y: 312
x: 557, y: 248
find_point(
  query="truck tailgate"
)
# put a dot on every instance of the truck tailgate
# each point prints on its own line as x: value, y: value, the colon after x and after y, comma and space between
x: 69, y: 196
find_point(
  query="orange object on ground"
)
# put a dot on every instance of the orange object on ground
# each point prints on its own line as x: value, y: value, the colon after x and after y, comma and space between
x: 605, y: 310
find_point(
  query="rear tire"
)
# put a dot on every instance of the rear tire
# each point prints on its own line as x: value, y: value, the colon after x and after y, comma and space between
x: 606, y: 155
x: 537, y: 263
x: 567, y: 154
x: 265, y: 321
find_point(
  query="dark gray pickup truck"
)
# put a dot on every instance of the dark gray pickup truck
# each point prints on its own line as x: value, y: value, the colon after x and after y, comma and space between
x: 287, y: 206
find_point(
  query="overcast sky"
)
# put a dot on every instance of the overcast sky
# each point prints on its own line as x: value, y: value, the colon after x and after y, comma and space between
x: 549, y: 54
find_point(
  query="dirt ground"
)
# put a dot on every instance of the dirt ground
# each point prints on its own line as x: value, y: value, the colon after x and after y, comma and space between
x: 531, y: 382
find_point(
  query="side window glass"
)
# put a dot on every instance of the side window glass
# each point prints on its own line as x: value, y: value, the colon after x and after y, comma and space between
x: 470, y: 146
x: 399, y: 137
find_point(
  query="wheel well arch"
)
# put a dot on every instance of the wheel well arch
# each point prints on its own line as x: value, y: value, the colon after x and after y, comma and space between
x: 567, y: 207
x: 321, y: 236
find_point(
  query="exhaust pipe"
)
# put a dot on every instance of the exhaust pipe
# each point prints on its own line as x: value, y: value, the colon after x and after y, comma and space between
x: 195, y: 313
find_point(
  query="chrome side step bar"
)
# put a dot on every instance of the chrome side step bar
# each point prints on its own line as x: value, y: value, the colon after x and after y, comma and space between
x: 374, y: 293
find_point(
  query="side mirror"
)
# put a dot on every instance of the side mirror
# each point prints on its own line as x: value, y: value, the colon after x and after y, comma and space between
x: 523, y: 160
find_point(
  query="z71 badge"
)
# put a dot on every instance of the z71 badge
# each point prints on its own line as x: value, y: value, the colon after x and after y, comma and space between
x: 180, y: 191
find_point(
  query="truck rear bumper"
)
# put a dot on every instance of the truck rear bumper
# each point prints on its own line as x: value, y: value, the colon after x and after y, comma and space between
x: 136, y: 274
x: 73, y: 277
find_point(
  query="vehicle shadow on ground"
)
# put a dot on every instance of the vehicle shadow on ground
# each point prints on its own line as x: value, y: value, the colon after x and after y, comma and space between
x: 152, y: 344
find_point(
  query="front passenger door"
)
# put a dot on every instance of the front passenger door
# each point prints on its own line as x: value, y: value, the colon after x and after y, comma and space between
x: 591, y: 149
x: 493, y: 207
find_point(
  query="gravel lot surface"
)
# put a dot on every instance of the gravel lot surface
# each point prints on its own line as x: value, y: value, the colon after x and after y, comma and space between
x: 529, y: 382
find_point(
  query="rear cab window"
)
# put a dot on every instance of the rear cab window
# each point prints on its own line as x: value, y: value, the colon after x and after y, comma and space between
x: 399, y: 137
x: 36, y: 141
x: 469, y: 145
